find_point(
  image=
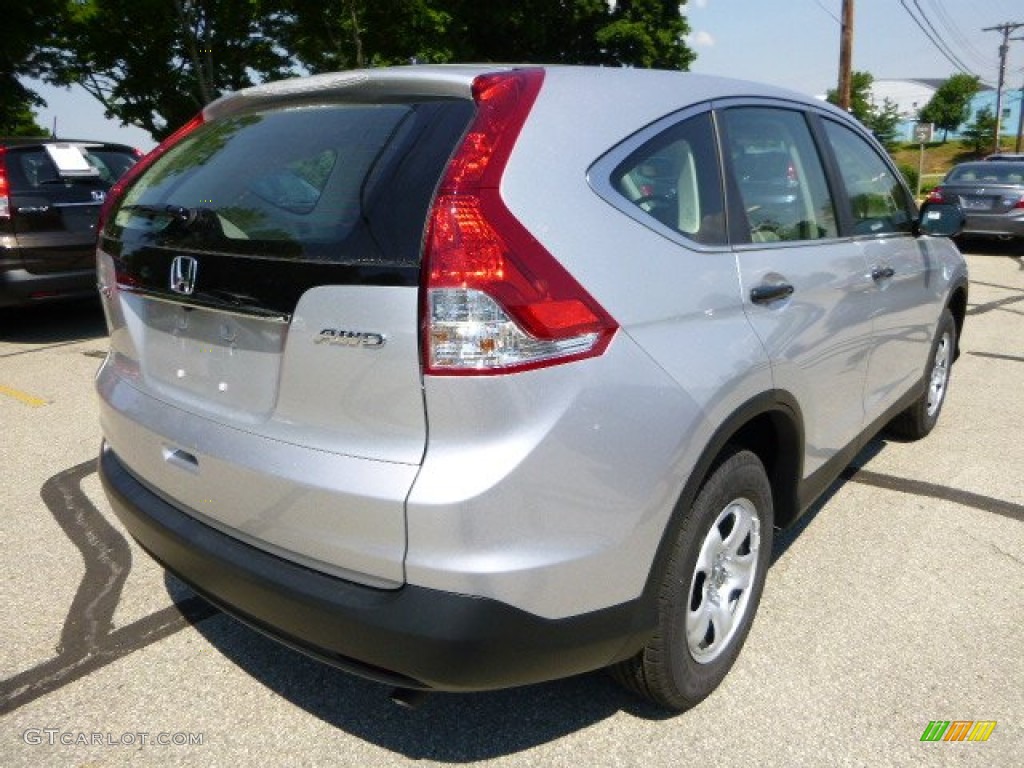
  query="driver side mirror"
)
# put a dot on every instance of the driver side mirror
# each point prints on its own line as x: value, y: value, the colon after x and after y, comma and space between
x: 940, y: 220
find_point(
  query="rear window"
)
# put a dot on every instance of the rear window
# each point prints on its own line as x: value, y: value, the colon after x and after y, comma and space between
x: 338, y: 183
x: 33, y: 169
x: 993, y: 173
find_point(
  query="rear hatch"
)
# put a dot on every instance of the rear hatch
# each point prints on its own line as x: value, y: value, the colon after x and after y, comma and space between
x: 56, y: 192
x: 267, y: 297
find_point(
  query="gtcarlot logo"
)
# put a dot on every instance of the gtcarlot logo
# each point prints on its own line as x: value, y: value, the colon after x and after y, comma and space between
x: 958, y: 730
x: 69, y: 738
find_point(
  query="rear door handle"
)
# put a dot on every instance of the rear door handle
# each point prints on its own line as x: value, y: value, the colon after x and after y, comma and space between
x: 882, y: 273
x: 766, y: 294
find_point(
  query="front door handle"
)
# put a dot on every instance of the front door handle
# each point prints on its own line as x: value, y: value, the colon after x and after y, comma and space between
x: 766, y: 294
x: 882, y: 273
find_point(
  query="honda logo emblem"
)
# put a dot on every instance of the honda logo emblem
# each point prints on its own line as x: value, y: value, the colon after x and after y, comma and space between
x: 183, y: 275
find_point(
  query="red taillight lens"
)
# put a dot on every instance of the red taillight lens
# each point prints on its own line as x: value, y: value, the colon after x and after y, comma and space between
x: 496, y: 300
x: 5, y: 201
x: 121, y: 186
x: 1020, y: 202
x: 935, y: 196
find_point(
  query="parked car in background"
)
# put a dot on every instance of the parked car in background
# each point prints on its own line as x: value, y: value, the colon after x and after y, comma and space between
x: 1004, y: 156
x: 51, y: 192
x: 464, y: 377
x: 991, y: 195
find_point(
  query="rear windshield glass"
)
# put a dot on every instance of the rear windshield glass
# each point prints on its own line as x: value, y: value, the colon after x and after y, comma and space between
x: 998, y: 173
x: 34, y: 170
x: 340, y: 182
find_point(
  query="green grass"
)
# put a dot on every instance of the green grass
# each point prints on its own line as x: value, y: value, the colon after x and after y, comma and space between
x: 940, y: 157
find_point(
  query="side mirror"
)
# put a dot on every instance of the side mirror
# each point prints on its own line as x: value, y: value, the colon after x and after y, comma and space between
x: 941, y: 220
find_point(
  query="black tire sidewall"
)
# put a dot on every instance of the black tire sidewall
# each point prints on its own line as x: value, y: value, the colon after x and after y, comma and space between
x: 740, y: 476
x: 925, y: 423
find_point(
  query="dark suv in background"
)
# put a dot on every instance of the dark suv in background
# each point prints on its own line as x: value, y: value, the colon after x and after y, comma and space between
x: 51, y: 192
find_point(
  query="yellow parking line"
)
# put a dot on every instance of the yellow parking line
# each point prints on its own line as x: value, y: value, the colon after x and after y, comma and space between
x: 23, y: 397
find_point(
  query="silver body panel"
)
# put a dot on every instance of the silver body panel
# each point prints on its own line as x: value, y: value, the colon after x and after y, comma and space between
x: 548, y: 490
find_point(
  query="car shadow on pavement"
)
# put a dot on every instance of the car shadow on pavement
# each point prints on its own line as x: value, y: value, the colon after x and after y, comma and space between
x: 53, y: 323
x: 445, y: 727
x: 448, y: 728
x: 784, y: 539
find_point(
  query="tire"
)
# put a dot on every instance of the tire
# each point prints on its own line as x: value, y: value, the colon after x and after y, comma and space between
x: 710, y: 589
x: 922, y: 415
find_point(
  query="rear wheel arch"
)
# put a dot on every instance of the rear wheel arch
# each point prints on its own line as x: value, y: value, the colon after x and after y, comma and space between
x: 769, y: 425
x: 958, y: 308
x: 749, y: 469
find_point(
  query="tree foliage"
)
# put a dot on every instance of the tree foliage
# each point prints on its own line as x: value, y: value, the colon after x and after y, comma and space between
x: 155, y: 63
x: 980, y: 131
x: 26, y: 27
x: 882, y: 120
x: 861, y: 105
x: 950, y: 106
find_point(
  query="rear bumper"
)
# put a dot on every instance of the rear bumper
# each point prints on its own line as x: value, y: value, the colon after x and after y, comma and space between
x: 19, y: 287
x: 994, y: 225
x: 410, y: 637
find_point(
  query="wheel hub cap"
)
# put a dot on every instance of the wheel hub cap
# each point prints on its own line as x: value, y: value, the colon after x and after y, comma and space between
x: 722, y: 580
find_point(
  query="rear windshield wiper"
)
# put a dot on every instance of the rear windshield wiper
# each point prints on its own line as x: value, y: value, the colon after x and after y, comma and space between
x: 174, y: 211
x: 181, y: 217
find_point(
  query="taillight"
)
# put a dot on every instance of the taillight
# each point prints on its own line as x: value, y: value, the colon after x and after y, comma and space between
x: 1020, y: 202
x: 935, y: 196
x: 121, y: 186
x: 496, y: 301
x: 5, y: 200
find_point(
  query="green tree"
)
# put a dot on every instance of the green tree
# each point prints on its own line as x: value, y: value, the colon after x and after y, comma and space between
x: 21, y: 123
x: 950, y: 106
x: 861, y: 105
x: 155, y: 63
x: 26, y: 27
x: 356, y: 33
x: 883, y: 121
x: 979, y: 132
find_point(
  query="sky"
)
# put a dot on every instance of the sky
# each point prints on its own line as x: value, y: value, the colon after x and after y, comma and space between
x: 789, y: 43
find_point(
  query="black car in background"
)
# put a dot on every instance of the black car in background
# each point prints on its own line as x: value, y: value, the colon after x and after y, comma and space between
x: 51, y: 192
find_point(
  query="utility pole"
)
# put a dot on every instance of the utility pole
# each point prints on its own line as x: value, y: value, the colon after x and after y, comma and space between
x: 1020, y: 118
x: 845, y: 55
x: 1004, y: 49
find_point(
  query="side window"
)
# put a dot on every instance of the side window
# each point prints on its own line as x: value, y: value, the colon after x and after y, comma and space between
x: 674, y: 178
x: 779, y: 174
x: 879, y: 203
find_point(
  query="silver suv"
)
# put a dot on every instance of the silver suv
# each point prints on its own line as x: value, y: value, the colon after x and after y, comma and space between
x: 468, y: 377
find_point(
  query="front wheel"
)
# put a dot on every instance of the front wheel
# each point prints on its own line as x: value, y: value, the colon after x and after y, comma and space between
x: 710, y: 590
x: 922, y: 415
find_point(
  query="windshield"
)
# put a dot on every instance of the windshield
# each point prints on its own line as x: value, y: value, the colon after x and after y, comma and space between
x: 290, y: 183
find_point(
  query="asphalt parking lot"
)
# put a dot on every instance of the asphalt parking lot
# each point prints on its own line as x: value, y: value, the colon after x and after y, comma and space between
x: 897, y: 601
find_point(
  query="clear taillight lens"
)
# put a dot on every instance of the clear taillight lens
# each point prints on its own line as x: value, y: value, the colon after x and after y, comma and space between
x: 470, y: 330
x: 496, y: 300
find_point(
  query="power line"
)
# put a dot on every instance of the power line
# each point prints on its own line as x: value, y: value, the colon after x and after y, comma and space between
x: 936, y: 40
x: 835, y: 18
x: 964, y: 44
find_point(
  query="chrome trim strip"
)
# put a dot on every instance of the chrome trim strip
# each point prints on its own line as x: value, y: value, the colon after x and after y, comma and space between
x: 266, y: 315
